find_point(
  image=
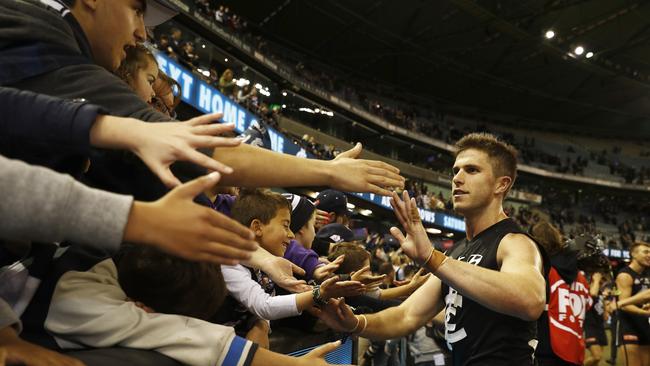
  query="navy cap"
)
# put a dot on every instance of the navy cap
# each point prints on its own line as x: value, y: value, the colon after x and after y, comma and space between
x: 330, y: 200
x: 330, y: 234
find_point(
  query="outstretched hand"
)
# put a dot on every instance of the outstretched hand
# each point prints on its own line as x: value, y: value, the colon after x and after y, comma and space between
x: 366, y: 277
x: 334, y: 288
x: 281, y: 271
x: 181, y: 227
x: 359, y: 175
x: 159, y: 145
x: 418, y: 280
x: 325, y: 271
x: 416, y: 243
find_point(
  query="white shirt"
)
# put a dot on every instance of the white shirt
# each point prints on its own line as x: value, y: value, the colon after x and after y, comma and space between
x: 249, y: 293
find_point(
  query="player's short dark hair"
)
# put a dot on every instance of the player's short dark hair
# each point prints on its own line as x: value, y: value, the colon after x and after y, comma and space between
x: 503, y: 156
x: 638, y: 244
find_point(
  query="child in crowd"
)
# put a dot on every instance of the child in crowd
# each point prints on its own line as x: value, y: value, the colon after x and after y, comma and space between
x: 251, y: 297
x: 146, y: 299
x: 168, y: 92
x: 299, y: 252
x: 140, y: 70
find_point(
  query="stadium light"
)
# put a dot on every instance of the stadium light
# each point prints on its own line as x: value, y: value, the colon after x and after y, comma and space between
x: 284, y: 94
x: 433, y: 231
x: 225, y: 59
x: 549, y: 34
x: 579, y: 50
x: 589, y: 54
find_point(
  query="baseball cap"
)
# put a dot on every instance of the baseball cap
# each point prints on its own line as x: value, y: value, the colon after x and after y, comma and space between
x: 330, y: 234
x: 301, y: 210
x: 330, y: 200
x: 158, y: 11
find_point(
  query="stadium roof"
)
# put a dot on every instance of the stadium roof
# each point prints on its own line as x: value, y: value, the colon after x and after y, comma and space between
x: 486, y: 57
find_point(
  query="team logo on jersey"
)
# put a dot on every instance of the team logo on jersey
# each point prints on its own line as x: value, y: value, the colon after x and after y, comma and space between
x: 474, y: 259
x: 454, y: 303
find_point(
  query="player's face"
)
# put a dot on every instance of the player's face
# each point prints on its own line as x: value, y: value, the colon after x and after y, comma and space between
x: 641, y: 254
x: 474, y: 183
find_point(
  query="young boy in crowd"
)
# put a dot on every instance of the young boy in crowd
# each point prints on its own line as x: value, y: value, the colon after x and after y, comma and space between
x: 251, y: 297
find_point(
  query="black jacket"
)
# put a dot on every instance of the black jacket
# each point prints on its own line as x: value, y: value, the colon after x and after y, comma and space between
x: 43, y: 49
x: 39, y: 129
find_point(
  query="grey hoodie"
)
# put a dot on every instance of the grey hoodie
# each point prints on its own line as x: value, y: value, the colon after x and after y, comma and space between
x: 42, y: 205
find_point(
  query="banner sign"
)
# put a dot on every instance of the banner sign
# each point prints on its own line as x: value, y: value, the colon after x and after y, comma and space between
x: 431, y: 217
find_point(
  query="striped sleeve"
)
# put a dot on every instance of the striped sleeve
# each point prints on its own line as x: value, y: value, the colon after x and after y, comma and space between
x: 240, y: 353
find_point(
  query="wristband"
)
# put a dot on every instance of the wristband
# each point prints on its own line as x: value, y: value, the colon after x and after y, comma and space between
x: 355, y: 327
x: 435, y: 260
x: 365, y: 324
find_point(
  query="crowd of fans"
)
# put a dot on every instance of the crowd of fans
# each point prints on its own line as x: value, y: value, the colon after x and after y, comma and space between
x: 414, y: 116
x: 181, y: 48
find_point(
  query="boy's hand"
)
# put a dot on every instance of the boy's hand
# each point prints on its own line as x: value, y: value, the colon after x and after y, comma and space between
x: 334, y: 288
x: 177, y: 225
x: 281, y: 272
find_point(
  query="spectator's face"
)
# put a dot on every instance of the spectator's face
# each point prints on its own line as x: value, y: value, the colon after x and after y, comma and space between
x: 276, y: 234
x: 111, y: 26
x: 307, y: 233
x: 473, y: 184
x: 164, y: 92
x: 143, y: 80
